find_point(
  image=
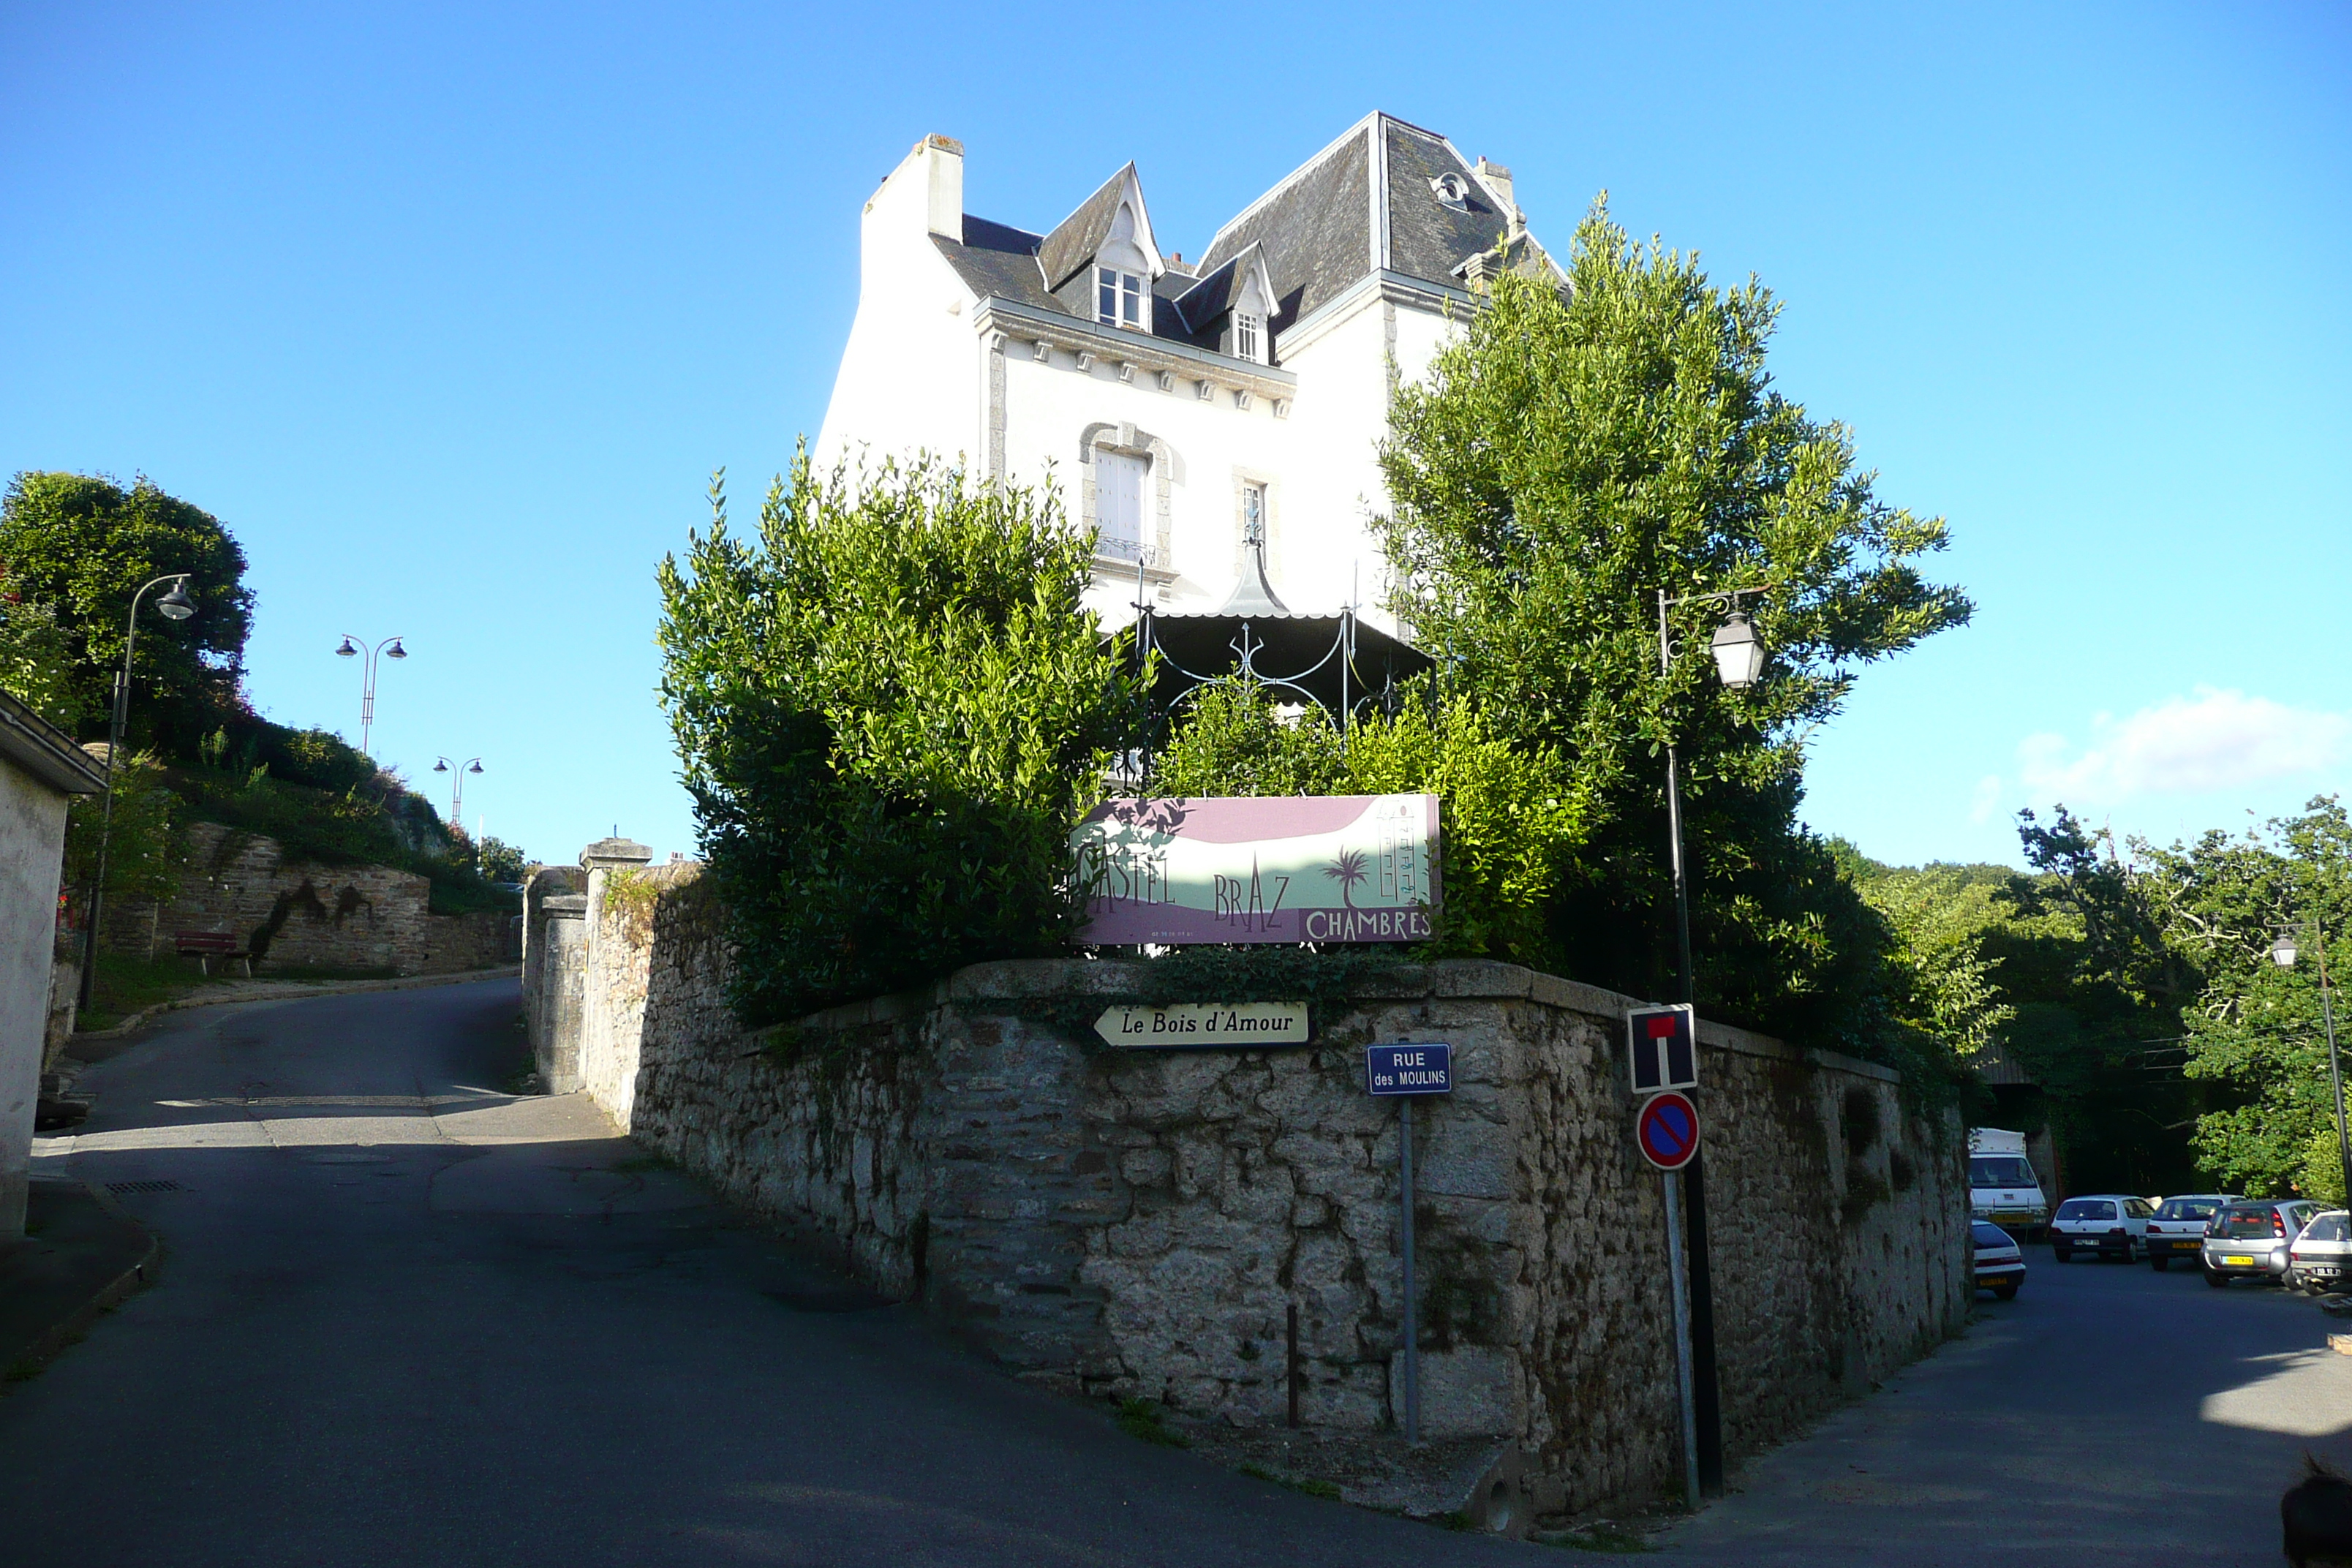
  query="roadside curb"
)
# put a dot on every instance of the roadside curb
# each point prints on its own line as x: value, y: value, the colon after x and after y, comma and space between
x: 30, y: 1355
x: 294, y: 990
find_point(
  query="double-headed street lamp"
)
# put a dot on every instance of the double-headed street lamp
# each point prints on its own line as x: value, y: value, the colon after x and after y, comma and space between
x: 2284, y: 952
x: 457, y: 772
x: 390, y: 648
x: 175, y: 606
x: 1738, y: 664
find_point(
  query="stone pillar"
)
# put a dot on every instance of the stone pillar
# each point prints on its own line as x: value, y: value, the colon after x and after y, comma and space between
x: 560, y: 965
x: 601, y: 1056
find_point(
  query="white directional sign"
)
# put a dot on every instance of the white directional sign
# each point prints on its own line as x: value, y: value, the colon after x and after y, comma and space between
x: 1205, y: 1025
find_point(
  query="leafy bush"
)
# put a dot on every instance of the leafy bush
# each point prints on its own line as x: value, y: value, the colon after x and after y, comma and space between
x: 892, y: 708
x: 1507, y: 829
x: 142, y: 840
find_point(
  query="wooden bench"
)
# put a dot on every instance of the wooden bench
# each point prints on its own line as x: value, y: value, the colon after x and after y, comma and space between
x: 205, y: 946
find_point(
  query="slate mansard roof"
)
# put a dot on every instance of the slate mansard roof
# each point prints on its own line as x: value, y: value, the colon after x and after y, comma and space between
x: 1366, y: 205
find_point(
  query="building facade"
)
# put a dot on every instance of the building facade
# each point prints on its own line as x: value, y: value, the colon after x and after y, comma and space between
x: 41, y: 769
x: 1184, y: 409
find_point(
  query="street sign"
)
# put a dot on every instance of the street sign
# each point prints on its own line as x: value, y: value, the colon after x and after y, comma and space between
x: 1205, y: 1025
x: 1665, y: 1051
x: 1409, y: 1069
x: 1667, y: 1130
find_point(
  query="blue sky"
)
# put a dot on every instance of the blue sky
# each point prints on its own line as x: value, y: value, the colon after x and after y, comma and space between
x: 449, y: 313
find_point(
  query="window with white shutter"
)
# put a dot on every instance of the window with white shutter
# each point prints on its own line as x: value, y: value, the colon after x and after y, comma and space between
x: 1118, y: 503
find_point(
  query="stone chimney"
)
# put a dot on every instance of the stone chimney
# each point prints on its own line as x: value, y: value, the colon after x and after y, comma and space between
x: 929, y: 182
x: 1499, y: 180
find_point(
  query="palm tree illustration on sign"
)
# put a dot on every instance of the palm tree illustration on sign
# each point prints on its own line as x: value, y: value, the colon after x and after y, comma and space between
x: 1347, y: 870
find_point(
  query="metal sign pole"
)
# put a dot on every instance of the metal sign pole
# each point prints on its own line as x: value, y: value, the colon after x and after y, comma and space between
x: 1671, y: 1182
x: 1412, y: 1337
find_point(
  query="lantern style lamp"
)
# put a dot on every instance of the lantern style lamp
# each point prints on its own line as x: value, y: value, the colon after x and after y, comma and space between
x: 2283, y: 951
x: 1738, y: 652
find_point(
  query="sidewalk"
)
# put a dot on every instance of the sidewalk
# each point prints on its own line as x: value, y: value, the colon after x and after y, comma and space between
x: 81, y: 1255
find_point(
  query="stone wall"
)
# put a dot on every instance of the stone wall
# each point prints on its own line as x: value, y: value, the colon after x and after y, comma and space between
x: 1137, y: 1222
x: 315, y: 916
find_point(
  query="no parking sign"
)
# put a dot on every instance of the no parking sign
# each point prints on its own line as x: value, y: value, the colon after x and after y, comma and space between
x: 1667, y: 1130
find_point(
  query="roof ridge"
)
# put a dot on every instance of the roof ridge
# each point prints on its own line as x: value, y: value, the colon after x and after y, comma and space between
x: 1292, y: 178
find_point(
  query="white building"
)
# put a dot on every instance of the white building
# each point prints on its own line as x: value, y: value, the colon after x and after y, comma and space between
x: 1182, y: 406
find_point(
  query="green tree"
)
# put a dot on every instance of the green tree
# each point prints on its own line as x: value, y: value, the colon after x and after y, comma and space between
x: 37, y: 664
x: 1579, y: 449
x: 1943, y: 919
x: 2254, y: 1030
x: 80, y: 546
x: 892, y: 709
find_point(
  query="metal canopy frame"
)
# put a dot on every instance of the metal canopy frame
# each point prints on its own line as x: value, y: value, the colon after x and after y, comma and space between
x: 1255, y: 637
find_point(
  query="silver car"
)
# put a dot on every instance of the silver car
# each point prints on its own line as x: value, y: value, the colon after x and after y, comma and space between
x: 2249, y: 1240
x: 2320, y: 1259
x: 2000, y: 1263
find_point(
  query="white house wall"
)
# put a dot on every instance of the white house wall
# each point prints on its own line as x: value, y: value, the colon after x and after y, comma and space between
x: 905, y: 384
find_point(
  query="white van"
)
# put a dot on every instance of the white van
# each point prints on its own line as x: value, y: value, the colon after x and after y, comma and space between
x: 2002, y: 1187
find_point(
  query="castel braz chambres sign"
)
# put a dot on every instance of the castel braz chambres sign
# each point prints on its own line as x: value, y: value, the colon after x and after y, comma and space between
x: 1289, y: 868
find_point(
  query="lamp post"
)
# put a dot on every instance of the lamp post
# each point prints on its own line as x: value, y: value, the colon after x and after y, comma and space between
x: 457, y: 772
x: 1738, y: 664
x: 175, y: 606
x: 390, y: 648
x: 2284, y: 952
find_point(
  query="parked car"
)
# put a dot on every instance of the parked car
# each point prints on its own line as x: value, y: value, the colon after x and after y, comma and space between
x: 2112, y: 1225
x: 2000, y: 1262
x: 2249, y: 1240
x: 2319, y: 1260
x: 2177, y: 1229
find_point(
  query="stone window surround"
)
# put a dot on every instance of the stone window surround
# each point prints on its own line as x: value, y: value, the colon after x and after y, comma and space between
x: 1167, y: 473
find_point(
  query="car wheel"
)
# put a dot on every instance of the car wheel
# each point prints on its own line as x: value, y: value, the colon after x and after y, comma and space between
x: 2293, y: 1280
x: 2006, y: 1292
x: 2159, y: 1264
x: 2062, y: 1252
x: 2216, y: 1279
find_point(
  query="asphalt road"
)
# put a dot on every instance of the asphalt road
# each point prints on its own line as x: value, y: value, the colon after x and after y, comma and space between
x: 403, y: 1318
x: 2108, y: 1415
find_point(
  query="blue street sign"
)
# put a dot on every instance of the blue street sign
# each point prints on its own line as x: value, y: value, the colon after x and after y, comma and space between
x: 1409, y: 1069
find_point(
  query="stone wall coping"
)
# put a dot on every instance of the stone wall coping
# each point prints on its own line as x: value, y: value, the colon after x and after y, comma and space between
x: 573, y: 906
x: 1454, y: 979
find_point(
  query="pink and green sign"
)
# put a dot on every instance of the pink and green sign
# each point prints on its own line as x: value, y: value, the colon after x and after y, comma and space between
x: 1287, y: 869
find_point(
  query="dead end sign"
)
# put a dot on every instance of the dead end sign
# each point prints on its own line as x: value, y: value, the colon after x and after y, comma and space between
x: 1667, y: 1130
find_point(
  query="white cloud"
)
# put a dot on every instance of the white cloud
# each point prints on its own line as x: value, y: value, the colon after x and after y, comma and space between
x: 1987, y: 796
x: 2211, y: 740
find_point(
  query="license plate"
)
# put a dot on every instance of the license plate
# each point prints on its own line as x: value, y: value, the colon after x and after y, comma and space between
x: 2238, y: 1262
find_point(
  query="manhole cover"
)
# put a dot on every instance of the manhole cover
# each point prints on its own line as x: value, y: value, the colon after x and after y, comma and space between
x: 144, y: 1187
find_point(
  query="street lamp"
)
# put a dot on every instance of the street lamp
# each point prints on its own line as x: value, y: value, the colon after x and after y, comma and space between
x: 390, y: 648
x: 2284, y: 952
x: 1738, y: 664
x: 457, y: 786
x: 175, y: 606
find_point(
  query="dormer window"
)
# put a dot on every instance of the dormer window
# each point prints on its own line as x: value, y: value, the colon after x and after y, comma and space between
x: 1118, y: 297
x: 1249, y: 336
x: 1452, y: 191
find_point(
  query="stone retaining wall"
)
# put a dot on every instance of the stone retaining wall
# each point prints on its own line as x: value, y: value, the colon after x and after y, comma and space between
x: 317, y: 916
x: 1137, y: 1222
